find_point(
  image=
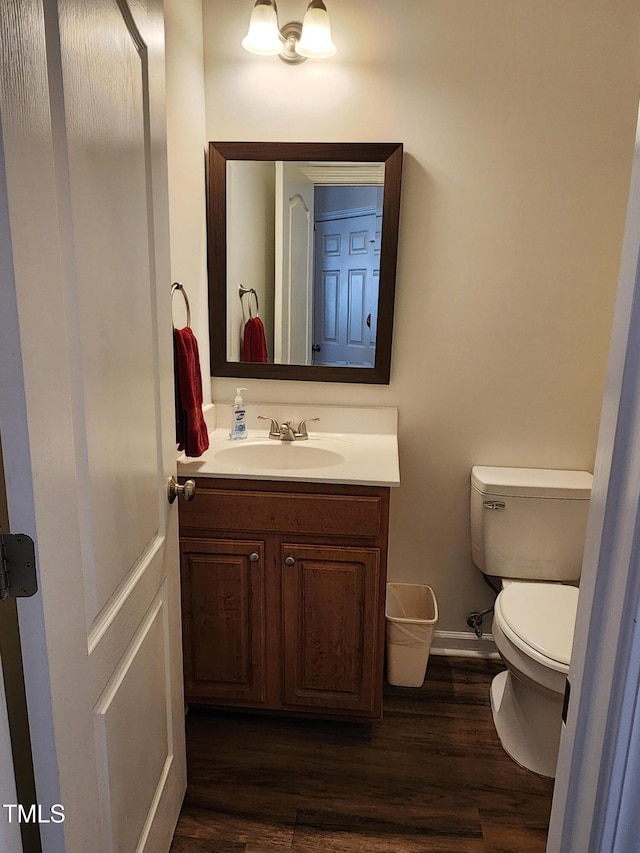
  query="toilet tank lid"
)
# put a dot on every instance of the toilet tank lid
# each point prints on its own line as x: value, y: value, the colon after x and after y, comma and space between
x: 532, y: 482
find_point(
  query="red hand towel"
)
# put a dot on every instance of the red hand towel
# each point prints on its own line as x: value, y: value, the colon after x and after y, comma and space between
x: 191, y: 430
x: 254, y: 343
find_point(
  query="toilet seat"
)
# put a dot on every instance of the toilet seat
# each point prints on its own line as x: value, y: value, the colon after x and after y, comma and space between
x: 539, y: 619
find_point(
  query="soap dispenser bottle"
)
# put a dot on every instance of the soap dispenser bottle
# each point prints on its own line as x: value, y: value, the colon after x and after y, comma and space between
x: 238, y: 415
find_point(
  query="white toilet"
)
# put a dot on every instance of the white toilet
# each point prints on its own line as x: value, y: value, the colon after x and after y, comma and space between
x: 528, y: 528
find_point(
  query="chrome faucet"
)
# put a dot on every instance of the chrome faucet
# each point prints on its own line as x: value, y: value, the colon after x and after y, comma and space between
x: 285, y: 431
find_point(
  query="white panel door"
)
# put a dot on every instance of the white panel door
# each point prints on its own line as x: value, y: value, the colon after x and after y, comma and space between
x: 86, y: 414
x: 347, y: 275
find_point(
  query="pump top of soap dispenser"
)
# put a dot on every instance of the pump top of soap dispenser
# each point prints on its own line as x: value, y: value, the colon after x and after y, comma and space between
x: 238, y: 399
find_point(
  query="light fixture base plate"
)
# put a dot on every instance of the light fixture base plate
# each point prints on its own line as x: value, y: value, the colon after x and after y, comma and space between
x: 291, y: 33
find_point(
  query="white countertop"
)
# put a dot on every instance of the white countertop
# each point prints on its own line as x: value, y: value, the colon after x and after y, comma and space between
x: 356, y: 447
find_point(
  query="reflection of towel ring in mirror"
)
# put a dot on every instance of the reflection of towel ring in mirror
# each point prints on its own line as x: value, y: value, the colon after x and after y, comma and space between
x: 250, y: 290
x: 177, y: 286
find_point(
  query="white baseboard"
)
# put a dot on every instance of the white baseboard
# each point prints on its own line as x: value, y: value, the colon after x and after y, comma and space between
x: 463, y: 644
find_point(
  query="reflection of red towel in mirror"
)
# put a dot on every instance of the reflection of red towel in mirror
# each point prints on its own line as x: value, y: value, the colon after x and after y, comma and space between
x: 254, y: 343
x: 191, y: 430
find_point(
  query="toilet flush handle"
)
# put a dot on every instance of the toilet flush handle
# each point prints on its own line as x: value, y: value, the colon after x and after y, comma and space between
x: 500, y: 505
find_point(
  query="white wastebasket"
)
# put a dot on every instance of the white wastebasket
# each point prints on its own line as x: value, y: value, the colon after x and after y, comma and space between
x: 411, y: 617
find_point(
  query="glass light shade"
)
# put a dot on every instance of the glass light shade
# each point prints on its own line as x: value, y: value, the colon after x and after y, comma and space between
x: 263, y: 36
x: 316, y: 40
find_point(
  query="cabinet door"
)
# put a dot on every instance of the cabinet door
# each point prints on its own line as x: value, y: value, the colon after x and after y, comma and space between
x: 330, y: 620
x: 223, y: 620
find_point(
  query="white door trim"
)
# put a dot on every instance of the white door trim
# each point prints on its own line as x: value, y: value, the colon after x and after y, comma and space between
x: 15, y: 422
x: 599, y: 766
x: 10, y: 838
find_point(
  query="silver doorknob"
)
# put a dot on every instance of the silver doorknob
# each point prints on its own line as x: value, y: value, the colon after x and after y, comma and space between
x: 188, y: 491
x: 289, y: 561
x: 254, y: 557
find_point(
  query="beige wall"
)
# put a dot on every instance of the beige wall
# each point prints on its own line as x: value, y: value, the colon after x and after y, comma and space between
x: 250, y: 248
x: 186, y: 147
x: 518, y: 123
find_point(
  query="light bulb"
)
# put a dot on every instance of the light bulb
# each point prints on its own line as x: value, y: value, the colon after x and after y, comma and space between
x: 263, y: 36
x: 316, y: 40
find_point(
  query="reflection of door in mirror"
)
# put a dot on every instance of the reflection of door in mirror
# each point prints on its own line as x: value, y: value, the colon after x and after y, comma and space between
x: 293, y: 265
x: 347, y: 269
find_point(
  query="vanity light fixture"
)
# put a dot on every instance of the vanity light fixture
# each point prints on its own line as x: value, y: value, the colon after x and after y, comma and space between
x: 294, y: 42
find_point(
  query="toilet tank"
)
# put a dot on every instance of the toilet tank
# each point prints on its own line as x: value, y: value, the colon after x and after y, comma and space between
x: 529, y: 523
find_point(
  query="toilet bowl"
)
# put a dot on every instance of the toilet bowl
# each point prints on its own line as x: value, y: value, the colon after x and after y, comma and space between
x: 533, y: 629
x: 528, y: 529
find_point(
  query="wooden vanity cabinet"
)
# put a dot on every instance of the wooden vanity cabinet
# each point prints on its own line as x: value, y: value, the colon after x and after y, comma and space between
x: 223, y: 619
x: 283, y: 590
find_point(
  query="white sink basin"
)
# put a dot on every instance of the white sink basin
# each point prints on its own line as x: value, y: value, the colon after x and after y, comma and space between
x: 354, y: 447
x: 277, y: 456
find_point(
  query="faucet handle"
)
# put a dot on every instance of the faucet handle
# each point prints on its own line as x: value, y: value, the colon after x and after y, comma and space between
x: 274, y: 431
x: 301, y: 432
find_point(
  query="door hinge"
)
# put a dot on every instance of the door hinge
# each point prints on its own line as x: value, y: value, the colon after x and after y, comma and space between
x: 17, y: 566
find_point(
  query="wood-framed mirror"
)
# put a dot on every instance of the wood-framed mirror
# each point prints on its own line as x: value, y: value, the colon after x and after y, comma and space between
x: 304, y: 236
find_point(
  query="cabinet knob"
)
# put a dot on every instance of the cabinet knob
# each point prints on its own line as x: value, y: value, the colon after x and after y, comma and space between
x: 254, y: 557
x: 289, y: 561
x: 188, y: 491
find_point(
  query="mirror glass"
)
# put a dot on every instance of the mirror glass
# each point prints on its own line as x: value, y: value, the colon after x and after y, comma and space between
x: 302, y: 257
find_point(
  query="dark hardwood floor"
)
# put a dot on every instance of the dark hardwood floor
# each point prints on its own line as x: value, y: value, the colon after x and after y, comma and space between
x: 430, y: 778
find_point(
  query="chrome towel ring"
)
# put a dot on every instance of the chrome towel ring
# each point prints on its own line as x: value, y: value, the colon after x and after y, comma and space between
x: 242, y: 291
x: 177, y: 286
